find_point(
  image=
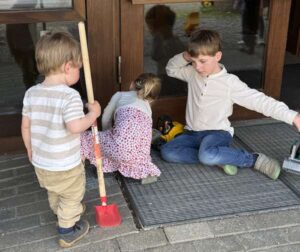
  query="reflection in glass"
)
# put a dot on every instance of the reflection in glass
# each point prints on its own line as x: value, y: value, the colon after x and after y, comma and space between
x: 17, y: 61
x: 242, y: 27
x: 34, y: 4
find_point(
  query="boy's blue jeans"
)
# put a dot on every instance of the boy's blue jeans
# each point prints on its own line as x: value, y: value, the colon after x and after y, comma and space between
x: 209, y: 147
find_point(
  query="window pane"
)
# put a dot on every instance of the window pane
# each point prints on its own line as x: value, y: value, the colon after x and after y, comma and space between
x: 242, y: 29
x: 35, y: 4
x: 17, y: 61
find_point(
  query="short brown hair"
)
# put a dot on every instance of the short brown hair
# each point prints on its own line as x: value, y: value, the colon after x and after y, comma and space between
x: 204, y: 42
x: 55, y: 49
x: 148, y: 86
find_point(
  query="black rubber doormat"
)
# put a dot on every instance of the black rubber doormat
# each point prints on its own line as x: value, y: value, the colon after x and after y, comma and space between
x: 185, y: 193
x: 274, y: 140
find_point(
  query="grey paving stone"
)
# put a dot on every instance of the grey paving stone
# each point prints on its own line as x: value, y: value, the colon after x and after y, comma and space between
x: 104, y: 246
x: 5, y: 193
x: 24, y: 170
x: 11, y: 182
x: 33, y: 208
x: 188, y: 232
x: 273, y: 219
x: 18, y: 200
x: 6, y: 174
x: 7, y: 213
x: 14, y: 163
x: 224, y: 244
x: 294, y: 234
x: 268, y: 238
x: 29, y: 188
x: 284, y: 248
x: 19, y: 224
x: 17, y: 181
x: 41, y: 195
x: 26, y: 236
x: 228, y: 226
x: 143, y: 240
x: 255, y: 222
x: 125, y: 212
x: 101, y: 234
x: 47, y: 218
x: 48, y: 245
x: 180, y: 247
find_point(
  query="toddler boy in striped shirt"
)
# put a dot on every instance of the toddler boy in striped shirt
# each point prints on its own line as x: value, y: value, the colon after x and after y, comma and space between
x: 52, y: 120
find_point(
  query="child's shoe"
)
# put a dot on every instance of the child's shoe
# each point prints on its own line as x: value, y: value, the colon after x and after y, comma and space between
x: 267, y: 166
x: 230, y: 169
x: 69, y: 236
x: 149, y: 180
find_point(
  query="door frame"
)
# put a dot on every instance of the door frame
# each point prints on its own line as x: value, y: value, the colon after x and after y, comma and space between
x: 132, y: 31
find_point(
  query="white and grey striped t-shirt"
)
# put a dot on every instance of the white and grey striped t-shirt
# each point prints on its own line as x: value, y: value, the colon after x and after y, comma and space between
x: 49, y: 108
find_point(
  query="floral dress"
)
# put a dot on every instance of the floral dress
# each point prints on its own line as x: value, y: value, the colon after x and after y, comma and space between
x: 125, y: 147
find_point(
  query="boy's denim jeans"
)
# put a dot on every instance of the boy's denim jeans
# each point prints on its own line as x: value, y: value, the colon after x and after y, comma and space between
x: 209, y: 147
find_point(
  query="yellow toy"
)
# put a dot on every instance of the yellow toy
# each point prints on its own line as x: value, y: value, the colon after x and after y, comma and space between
x: 169, y: 129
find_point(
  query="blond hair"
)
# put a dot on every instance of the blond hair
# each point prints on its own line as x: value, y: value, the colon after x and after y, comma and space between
x: 148, y: 86
x: 55, y: 49
x: 204, y: 42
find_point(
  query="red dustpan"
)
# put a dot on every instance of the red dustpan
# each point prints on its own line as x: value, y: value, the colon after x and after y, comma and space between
x: 106, y: 215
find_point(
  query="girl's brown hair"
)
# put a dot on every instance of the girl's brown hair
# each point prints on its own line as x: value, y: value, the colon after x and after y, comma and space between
x: 55, y: 49
x: 148, y: 86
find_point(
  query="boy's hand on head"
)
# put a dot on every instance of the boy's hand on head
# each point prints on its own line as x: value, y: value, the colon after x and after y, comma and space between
x: 297, y: 122
x: 94, y: 108
x: 187, y: 56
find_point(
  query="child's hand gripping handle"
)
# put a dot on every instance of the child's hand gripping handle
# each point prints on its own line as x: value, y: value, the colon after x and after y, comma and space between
x: 90, y: 94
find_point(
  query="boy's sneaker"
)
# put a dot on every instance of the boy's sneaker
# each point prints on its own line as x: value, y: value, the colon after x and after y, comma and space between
x: 230, y: 169
x: 149, y: 180
x: 267, y: 166
x: 80, y: 229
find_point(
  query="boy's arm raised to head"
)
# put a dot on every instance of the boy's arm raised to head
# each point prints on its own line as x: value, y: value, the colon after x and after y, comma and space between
x: 25, y: 129
x: 179, y: 68
x: 81, y: 124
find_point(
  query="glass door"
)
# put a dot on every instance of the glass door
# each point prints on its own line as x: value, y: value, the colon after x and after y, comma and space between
x: 21, y: 24
x: 160, y: 29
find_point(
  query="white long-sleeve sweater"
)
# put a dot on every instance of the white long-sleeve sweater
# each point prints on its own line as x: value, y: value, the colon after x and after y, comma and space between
x: 122, y: 99
x: 210, y: 99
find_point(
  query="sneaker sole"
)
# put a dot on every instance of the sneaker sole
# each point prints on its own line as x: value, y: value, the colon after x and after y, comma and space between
x: 65, y: 244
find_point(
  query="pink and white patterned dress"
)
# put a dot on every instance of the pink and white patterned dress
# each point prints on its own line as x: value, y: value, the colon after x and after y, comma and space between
x: 126, y: 146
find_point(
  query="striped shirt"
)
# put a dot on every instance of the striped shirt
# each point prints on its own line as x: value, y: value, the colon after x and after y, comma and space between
x: 49, y: 108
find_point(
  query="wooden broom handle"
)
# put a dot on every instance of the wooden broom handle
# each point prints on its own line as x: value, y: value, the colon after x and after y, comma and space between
x: 90, y: 94
x: 86, y: 62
